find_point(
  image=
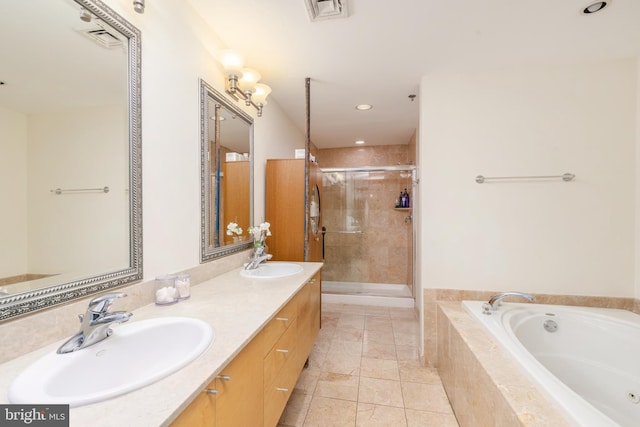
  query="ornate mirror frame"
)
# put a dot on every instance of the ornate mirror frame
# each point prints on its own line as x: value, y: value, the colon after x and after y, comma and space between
x: 207, y: 251
x: 23, y: 303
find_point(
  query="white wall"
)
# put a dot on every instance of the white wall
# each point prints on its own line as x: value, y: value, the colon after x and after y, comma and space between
x: 13, y: 188
x: 177, y: 50
x: 553, y: 237
x: 76, y: 232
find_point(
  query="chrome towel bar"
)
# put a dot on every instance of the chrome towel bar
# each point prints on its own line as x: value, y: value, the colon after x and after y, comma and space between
x: 565, y: 177
x: 59, y: 191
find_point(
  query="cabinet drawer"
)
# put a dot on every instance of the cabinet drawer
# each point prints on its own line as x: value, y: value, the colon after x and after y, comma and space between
x: 279, y: 324
x: 282, y: 352
x: 277, y: 393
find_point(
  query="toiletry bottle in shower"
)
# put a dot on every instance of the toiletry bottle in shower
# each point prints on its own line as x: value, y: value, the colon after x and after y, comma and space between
x: 407, y: 199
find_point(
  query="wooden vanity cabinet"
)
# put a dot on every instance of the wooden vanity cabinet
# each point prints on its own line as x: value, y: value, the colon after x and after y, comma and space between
x: 201, y: 412
x: 239, y: 387
x: 253, y: 389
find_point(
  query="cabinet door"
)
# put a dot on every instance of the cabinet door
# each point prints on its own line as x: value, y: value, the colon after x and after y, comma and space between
x: 200, y: 413
x: 285, y: 209
x: 240, y: 399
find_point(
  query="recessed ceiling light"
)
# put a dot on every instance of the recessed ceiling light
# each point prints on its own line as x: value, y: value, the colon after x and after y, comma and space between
x: 595, y: 7
x: 363, y: 107
x: 360, y: 142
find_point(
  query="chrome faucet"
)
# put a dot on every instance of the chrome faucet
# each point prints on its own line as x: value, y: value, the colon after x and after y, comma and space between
x: 494, y: 302
x: 95, y: 324
x: 258, y: 257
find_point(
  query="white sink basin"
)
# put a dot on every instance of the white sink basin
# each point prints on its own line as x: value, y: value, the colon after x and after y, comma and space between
x: 272, y: 270
x: 136, y: 355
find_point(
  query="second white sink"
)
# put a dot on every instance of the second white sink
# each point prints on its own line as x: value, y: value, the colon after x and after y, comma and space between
x: 136, y: 355
x: 272, y: 270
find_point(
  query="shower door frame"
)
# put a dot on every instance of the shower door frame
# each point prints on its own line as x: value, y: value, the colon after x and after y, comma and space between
x: 414, y: 182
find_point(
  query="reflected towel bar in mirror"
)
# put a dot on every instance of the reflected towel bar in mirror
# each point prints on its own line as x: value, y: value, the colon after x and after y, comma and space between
x: 565, y: 177
x: 59, y: 191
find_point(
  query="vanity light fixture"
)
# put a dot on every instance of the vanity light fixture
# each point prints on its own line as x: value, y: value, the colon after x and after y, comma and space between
x: 138, y: 6
x: 364, y: 107
x: 595, y: 7
x: 242, y: 83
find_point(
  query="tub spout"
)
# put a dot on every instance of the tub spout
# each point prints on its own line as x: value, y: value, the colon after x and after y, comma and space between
x: 494, y: 302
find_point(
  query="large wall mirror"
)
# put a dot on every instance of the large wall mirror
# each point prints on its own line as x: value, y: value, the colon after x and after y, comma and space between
x: 70, y: 177
x: 226, y: 175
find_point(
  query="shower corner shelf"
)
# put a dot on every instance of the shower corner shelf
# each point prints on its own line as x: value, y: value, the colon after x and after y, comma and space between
x: 402, y: 209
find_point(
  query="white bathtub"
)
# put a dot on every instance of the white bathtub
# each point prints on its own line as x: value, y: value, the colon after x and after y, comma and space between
x: 590, y: 364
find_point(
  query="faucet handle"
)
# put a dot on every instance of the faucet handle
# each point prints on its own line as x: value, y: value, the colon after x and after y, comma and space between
x: 102, y: 303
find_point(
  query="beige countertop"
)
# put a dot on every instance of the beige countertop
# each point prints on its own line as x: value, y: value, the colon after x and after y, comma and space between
x: 236, y: 307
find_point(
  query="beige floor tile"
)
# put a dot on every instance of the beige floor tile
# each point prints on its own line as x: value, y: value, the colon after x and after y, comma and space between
x: 429, y: 419
x: 407, y: 353
x: 379, y: 368
x: 325, y: 412
x: 337, y: 386
x: 379, y: 351
x: 405, y: 326
x: 340, y: 348
x: 377, y: 323
x: 370, y: 415
x: 381, y: 337
x: 413, y: 372
x: 364, y: 370
x: 344, y: 364
x: 351, y: 320
x: 402, y: 338
x: 349, y: 334
x: 350, y: 308
x: 308, y: 380
x: 377, y: 310
x: 380, y: 392
x: 296, y: 410
x: 403, y: 313
x: 425, y: 397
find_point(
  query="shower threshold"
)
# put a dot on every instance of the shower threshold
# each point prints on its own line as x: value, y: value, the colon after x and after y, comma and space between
x: 381, y: 294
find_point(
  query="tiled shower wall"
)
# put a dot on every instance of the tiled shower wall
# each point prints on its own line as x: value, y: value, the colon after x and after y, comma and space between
x: 383, y: 252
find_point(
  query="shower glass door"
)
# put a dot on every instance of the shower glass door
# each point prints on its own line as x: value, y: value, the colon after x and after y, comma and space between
x: 368, y: 242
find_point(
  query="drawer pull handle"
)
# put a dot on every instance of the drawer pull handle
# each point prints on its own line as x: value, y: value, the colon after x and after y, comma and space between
x: 211, y: 391
x: 224, y: 377
x: 284, y: 319
x: 282, y: 389
x: 282, y: 350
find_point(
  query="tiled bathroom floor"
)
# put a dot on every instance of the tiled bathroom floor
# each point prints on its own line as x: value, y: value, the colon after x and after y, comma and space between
x: 364, y: 371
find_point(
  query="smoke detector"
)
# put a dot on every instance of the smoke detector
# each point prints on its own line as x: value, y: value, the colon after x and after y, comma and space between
x: 319, y: 10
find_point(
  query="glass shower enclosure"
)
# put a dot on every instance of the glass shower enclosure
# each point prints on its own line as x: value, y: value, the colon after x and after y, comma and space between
x: 368, y: 239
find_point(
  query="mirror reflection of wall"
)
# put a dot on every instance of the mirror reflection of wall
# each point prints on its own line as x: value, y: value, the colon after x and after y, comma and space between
x: 66, y: 135
x: 227, y: 196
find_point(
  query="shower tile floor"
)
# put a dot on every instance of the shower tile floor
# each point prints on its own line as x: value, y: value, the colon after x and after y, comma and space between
x: 364, y: 371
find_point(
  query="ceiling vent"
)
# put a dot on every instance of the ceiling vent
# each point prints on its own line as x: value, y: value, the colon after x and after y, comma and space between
x: 326, y: 9
x: 103, y: 35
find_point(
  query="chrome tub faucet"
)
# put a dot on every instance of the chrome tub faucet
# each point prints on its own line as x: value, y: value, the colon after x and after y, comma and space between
x: 496, y: 300
x: 95, y: 324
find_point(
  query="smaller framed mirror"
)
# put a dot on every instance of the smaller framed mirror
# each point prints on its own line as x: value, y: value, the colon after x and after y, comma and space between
x: 226, y: 170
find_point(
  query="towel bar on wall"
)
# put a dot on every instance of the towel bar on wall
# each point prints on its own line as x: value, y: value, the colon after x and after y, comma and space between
x: 59, y: 191
x: 565, y: 177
